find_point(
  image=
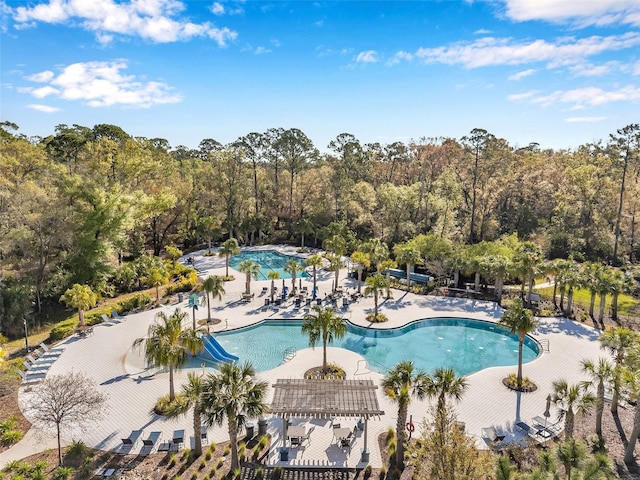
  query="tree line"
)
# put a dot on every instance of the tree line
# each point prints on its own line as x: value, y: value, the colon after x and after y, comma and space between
x: 77, y: 205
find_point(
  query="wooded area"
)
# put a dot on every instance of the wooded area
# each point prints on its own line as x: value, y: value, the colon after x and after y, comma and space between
x: 78, y: 206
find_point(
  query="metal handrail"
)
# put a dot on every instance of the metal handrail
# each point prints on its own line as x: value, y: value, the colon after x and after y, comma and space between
x: 288, y: 354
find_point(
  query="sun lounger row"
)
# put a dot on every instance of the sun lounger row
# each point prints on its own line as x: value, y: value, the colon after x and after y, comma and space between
x: 38, y: 363
x: 153, y: 440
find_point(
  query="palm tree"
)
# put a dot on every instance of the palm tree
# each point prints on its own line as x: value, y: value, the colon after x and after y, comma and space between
x: 292, y: 268
x: 570, y: 399
x: 410, y: 256
x: 233, y: 394
x: 571, y: 453
x: 528, y: 258
x: 444, y: 383
x: 605, y: 287
x: 362, y: 260
x: 519, y: 320
x: 273, y: 275
x: 338, y: 245
x: 572, y: 278
x: 504, y: 469
x: 324, y: 325
x: 401, y: 384
x: 387, y: 265
x: 590, y: 273
x: 618, y: 341
x: 156, y: 278
x: 227, y: 250
x: 80, y: 297
x: 376, y: 285
x: 251, y: 270
x: 168, y: 346
x: 496, y: 266
x: 190, y: 398
x: 378, y: 252
x: 213, y: 285
x: 620, y: 282
x: 314, y: 261
x: 631, y: 380
x: 600, y: 373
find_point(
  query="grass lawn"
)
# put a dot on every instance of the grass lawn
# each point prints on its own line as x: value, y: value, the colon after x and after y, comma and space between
x: 627, y: 305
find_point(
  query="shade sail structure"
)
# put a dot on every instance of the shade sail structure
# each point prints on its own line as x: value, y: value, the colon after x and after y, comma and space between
x: 313, y: 398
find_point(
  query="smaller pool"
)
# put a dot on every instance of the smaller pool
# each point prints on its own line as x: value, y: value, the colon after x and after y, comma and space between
x: 269, y: 261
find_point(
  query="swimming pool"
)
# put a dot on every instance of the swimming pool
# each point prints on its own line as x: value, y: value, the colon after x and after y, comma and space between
x: 465, y: 345
x: 269, y: 260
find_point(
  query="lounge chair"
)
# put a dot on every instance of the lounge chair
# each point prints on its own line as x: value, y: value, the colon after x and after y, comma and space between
x: 44, y: 351
x: 544, y: 423
x: 106, y: 320
x: 31, y: 377
x: 34, y: 367
x: 40, y: 361
x: 150, y: 442
x: 264, y: 290
x: 116, y: 315
x: 178, y: 438
x: 539, y: 435
x: 492, y: 435
x: 132, y: 439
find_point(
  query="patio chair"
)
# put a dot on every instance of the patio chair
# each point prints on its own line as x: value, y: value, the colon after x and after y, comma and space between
x: 492, y: 435
x: 44, y: 351
x: 264, y: 290
x: 106, y: 320
x: 150, y: 442
x: 535, y: 434
x: 31, y: 367
x: 116, y: 315
x: 32, y: 377
x: 40, y: 360
x: 178, y: 438
x: 132, y: 439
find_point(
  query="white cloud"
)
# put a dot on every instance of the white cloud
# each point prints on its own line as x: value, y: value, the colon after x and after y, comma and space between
x: 491, y: 51
x: 43, y: 108
x: 584, y: 119
x: 217, y: 8
x: 41, y: 77
x: 580, y: 13
x: 368, y: 56
x: 636, y: 68
x: 520, y: 75
x: 400, y: 56
x: 522, y: 96
x: 482, y: 31
x: 261, y: 50
x: 588, y: 96
x: 155, y: 20
x: 101, y: 84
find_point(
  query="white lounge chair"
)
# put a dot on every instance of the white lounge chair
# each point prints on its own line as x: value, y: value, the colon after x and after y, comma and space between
x: 116, y: 315
x: 32, y: 377
x: 492, y: 435
x: 45, y: 351
x: 40, y: 360
x: 150, y: 442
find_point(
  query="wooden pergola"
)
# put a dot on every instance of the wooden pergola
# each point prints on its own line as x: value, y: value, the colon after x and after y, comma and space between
x: 326, y: 399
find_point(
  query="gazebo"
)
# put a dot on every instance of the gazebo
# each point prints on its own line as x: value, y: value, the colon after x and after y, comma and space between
x: 326, y: 399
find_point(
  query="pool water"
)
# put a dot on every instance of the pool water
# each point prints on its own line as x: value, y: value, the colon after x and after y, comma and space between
x: 465, y: 345
x: 269, y: 260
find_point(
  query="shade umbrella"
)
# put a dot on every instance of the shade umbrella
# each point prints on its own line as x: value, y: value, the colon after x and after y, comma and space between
x: 547, y: 413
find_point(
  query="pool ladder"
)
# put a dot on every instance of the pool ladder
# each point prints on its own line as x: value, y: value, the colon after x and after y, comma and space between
x: 288, y: 354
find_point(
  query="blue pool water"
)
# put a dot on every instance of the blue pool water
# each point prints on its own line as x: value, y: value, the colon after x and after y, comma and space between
x: 465, y: 345
x: 269, y: 260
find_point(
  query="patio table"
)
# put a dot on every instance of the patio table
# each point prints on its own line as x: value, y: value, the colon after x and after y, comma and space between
x: 295, y: 431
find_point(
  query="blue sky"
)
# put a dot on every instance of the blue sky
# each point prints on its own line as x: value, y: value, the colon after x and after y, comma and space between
x: 557, y: 72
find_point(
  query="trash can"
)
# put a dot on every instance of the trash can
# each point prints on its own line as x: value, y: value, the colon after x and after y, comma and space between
x: 249, y: 428
x: 180, y: 297
x: 364, y: 457
x: 284, y: 454
x: 262, y: 427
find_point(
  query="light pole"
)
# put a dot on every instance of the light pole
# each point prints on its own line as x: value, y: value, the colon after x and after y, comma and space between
x: 26, y: 335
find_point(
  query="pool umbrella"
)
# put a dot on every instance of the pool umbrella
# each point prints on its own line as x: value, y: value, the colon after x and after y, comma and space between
x: 315, y: 292
x: 546, y: 413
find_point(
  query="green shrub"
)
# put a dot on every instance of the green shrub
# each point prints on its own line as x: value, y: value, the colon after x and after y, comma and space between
x: 13, y: 466
x: 212, y: 472
x: 367, y: 472
x: 186, y: 453
x: 10, y: 437
x: 276, y: 473
x: 62, y: 330
x: 62, y: 473
x: 8, y: 424
x: 383, y: 473
x: 203, y: 463
x: 207, y: 456
x: 77, y: 449
x: 137, y: 301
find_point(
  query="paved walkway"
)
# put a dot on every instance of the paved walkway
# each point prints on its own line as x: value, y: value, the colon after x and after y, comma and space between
x: 107, y: 357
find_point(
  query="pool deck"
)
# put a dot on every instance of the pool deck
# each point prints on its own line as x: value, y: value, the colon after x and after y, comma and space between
x: 107, y: 357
